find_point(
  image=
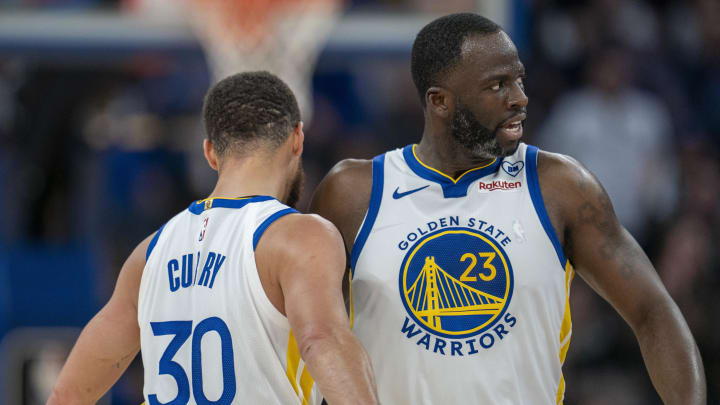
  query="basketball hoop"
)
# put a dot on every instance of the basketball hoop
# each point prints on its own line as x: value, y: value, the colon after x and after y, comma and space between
x: 284, y: 37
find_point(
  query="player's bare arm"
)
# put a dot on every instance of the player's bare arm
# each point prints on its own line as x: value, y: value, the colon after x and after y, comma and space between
x: 343, y: 197
x: 108, y: 343
x: 610, y: 260
x: 301, y: 263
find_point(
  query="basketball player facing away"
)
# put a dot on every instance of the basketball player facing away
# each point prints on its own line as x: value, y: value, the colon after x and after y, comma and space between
x: 463, y: 247
x: 237, y: 299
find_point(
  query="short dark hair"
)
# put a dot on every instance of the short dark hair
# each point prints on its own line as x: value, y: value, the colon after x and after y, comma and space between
x: 437, y: 47
x: 248, y: 107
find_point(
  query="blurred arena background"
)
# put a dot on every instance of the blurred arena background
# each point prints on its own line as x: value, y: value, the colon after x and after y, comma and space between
x: 100, y: 143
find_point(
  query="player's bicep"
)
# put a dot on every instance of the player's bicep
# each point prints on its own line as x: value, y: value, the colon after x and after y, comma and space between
x: 311, y: 281
x: 608, y: 257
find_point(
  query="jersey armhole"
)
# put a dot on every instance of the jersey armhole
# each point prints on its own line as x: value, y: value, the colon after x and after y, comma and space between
x: 153, y: 242
x: 257, y: 290
x: 267, y: 222
x: 378, y: 168
x: 531, y: 156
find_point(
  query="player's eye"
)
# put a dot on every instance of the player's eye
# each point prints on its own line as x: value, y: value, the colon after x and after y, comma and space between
x: 520, y: 82
x: 496, y: 86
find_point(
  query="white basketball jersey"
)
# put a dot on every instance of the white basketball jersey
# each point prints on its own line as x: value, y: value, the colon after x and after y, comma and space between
x: 209, y: 334
x: 460, y: 286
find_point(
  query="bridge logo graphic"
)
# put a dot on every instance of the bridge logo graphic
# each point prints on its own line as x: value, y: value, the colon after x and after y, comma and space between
x: 456, y: 282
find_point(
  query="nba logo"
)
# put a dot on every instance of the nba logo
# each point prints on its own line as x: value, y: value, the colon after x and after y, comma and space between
x: 202, y: 232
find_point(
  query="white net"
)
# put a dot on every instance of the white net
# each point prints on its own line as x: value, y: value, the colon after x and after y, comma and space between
x: 284, y: 37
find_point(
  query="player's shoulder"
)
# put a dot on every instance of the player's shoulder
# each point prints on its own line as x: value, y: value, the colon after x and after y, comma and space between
x: 306, y: 225
x: 299, y: 232
x: 566, y: 180
x: 298, y: 238
x: 563, y: 169
x: 349, y: 171
x: 348, y: 184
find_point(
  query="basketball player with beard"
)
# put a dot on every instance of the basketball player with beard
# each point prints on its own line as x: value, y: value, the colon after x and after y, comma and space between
x: 463, y: 247
x: 237, y: 299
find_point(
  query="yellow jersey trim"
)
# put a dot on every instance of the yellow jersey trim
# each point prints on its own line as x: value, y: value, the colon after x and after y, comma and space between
x: 306, y: 383
x: 565, y: 330
x: 293, y: 363
x: 561, y: 391
x: 293, y: 360
x: 208, y: 202
x: 445, y: 175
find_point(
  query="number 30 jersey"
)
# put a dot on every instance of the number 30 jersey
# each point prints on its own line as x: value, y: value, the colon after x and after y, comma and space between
x: 460, y: 286
x: 208, y: 332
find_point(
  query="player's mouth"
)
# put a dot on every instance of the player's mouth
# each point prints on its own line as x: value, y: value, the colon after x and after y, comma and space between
x: 512, y: 129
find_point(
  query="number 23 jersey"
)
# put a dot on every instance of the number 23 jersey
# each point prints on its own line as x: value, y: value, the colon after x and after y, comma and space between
x: 460, y: 286
x: 208, y: 332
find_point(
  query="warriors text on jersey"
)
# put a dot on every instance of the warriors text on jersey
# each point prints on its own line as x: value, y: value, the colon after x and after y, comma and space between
x: 460, y: 286
x: 208, y: 332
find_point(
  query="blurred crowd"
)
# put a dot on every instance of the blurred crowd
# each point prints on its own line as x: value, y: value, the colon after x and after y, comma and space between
x: 95, y: 158
x: 630, y: 89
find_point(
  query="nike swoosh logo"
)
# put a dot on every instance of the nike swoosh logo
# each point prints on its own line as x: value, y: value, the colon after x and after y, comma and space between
x: 397, y: 195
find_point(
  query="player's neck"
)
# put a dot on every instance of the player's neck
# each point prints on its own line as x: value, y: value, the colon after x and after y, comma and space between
x: 444, y: 154
x: 250, y: 176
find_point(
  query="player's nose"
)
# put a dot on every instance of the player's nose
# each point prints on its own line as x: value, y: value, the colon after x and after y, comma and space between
x: 517, y: 99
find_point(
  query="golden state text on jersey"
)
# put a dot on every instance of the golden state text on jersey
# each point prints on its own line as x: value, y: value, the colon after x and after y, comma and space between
x: 456, y: 284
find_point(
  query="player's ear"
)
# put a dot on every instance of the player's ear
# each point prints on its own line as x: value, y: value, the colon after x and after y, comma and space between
x: 298, y: 139
x: 439, y: 101
x: 210, y: 154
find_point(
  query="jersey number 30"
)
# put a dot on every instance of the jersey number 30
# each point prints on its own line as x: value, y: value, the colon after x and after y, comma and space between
x: 182, y: 331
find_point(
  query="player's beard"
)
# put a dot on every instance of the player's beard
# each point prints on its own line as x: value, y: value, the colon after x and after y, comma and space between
x: 296, y: 187
x: 479, y: 140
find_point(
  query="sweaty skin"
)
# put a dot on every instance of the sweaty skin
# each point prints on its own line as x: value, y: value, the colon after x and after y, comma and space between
x: 600, y: 249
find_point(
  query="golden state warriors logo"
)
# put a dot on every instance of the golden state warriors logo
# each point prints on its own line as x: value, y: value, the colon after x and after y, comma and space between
x: 456, y: 282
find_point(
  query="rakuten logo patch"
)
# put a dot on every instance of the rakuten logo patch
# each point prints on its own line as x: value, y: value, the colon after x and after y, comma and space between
x: 499, y: 185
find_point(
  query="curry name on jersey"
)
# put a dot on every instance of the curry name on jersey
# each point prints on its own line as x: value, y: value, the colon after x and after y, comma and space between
x: 209, y: 334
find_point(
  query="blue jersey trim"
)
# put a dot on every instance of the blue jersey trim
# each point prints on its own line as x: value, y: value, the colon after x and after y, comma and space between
x: 534, y: 185
x: 153, y: 242
x: 197, y: 207
x: 378, y: 177
x: 267, y: 222
x: 451, y: 188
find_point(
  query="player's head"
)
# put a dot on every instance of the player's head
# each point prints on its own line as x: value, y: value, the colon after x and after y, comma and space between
x: 254, y: 113
x: 469, y: 78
